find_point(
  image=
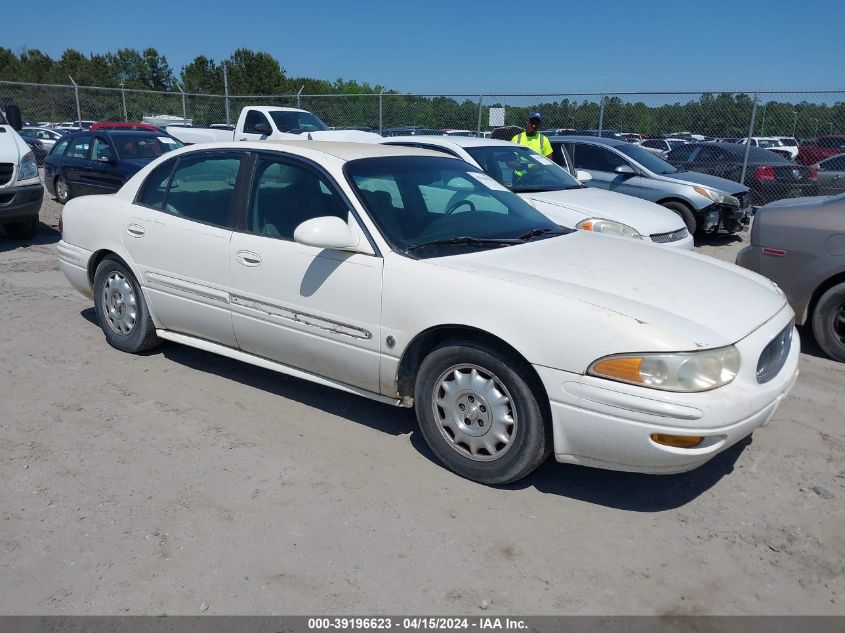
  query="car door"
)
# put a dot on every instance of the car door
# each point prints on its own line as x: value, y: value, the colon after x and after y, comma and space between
x: 315, y: 309
x: 831, y: 176
x: 104, y: 176
x: 77, y: 163
x: 253, y: 118
x: 179, y: 235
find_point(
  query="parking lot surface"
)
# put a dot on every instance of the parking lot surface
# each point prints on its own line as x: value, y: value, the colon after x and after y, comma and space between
x: 181, y: 482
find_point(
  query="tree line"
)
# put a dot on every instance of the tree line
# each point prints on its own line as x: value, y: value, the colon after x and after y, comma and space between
x: 258, y: 74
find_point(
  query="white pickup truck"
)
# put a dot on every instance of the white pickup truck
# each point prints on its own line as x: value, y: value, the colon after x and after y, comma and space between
x: 21, y: 191
x: 272, y: 123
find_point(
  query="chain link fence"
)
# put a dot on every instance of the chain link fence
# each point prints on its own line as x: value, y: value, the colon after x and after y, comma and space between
x: 772, y: 167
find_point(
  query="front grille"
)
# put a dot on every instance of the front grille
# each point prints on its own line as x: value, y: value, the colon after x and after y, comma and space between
x: 665, y: 238
x: 6, y: 171
x: 774, y: 355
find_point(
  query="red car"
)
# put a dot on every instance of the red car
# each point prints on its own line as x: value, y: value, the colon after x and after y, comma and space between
x: 824, y: 147
x: 137, y: 127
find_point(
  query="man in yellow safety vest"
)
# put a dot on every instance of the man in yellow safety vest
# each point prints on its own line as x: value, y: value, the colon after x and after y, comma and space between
x: 532, y: 137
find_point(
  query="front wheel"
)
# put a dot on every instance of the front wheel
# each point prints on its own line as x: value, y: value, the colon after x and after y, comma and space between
x: 121, y: 308
x: 25, y: 230
x: 685, y: 213
x: 829, y: 322
x: 479, y: 413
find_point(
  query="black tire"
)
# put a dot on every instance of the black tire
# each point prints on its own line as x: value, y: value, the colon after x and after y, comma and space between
x: 141, y: 335
x: 23, y: 230
x: 829, y: 322
x: 64, y: 193
x: 686, y: 215
x: 529, y: 437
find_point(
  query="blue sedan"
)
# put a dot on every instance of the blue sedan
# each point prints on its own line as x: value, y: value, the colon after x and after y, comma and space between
x: 100, y: 162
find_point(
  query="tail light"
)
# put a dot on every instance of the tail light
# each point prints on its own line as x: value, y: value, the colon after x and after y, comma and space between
x: 813, y: 172
x: 765, y: 173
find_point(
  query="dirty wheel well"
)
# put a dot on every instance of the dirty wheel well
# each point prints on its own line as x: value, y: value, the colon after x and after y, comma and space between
x: 457, y: 334
x: 95, y: 260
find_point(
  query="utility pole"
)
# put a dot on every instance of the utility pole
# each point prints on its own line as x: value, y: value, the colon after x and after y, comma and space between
x: 226, y: 92
x: 748, y: 139
x: 123, y: 96
x: 794, y: 121
x: 78, y: 109
x: 184, y: 110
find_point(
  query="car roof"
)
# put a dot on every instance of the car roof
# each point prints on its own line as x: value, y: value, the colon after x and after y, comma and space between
x: 600, y: 140
x: 446, y: 141
x: 342, y: 150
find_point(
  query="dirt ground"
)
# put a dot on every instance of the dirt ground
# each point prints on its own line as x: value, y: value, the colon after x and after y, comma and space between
x: 180, y: 482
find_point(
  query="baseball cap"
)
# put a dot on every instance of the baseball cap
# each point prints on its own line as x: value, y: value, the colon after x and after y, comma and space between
x: 535, y: 115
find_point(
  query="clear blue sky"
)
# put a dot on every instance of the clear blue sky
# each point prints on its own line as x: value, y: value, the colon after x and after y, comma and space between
x: 492, y: 46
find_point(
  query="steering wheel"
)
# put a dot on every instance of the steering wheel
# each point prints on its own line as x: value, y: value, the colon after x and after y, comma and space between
x: 460, y: 203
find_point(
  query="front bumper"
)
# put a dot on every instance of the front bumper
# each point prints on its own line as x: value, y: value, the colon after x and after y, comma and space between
x: 606, y: 424
x: 19, y: 203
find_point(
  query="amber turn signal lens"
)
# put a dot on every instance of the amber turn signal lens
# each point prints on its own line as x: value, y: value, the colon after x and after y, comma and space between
x: 621, y: 368
x: 677, y: 441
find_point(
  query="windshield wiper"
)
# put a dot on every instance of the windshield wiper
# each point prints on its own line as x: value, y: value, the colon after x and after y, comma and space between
x: 467, y: 241
x: 538, y: 232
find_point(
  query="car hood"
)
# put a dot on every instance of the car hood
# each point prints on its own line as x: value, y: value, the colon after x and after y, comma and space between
x: 714, y: 182
x: 646, y: 217
x: 132, y: 165
x: 692, y: 297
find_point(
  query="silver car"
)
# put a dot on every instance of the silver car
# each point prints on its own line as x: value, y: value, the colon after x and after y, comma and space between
x: 799, y: 243
x: 706, y: 203
x: 831, y: 175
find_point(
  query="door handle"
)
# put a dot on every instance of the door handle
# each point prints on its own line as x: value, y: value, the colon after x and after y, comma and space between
x: 244, y: 139
x: 136, y: 230
x: 248, y: 258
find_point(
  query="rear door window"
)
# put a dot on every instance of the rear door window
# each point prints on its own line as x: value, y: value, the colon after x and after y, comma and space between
x: 80, y: 147
x: 202, y: 187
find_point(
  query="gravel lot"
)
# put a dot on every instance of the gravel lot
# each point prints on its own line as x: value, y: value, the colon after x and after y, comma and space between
x: 180, y: 482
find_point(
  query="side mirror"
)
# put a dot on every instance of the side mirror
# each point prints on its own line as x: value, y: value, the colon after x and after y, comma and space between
x: 625, y: 170
x: 583, y: 176
x: 13, y: 116
x: 107, y: 158
x: 326, y: 232
x: 262, y: 128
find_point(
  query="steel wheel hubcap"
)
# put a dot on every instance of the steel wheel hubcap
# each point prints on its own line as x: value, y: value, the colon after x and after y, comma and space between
x: 61, y: 188
x: 119, y: 304
x: 474, y: 412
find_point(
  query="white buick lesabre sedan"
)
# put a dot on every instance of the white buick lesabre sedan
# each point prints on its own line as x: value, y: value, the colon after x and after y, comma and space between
x: 557, y: 194
x: 415, y: 279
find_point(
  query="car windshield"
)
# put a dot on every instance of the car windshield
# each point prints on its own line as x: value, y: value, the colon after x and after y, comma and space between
x: 674, y: 144
x: 144, y: 147
x: 647, y: 159
x: 432, y: 206
x: 297, y: 122
x: 521, y: 169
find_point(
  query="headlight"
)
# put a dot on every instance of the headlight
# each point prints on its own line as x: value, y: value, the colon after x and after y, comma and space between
x: 609, y: 227
x: 680, y: 371
x: 28, y: 168
x: 717, y: 196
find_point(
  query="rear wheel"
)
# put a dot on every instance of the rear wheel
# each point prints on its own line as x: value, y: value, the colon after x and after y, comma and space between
x: 685, y: 213
x: 121, y: 308
x: 23, y: 230
x: 829, y: 322
x: 63, y: 192
x: 479, y: 413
